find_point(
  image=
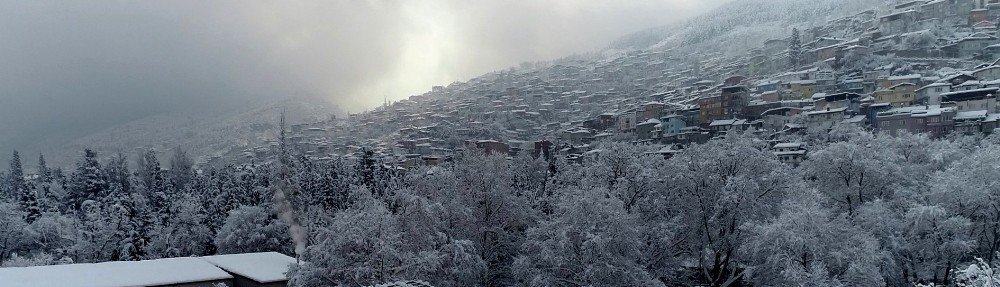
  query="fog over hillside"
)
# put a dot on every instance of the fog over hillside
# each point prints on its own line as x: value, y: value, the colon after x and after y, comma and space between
x: 739, y: 24
x: 76, y: 69
x: 451, y: 143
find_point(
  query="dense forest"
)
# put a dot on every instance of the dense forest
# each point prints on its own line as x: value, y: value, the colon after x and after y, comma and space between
x: 863, y: 210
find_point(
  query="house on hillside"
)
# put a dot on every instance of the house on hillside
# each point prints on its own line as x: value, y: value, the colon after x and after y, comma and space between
x: 934, y: 120
x: 972, y: 100
x: 970, y: 46
x: 728, y: 104
x: 900, y: 95
x: 897, y: 23
x: 789, y: 153
x: 931, y: 94
x: 648, y: 129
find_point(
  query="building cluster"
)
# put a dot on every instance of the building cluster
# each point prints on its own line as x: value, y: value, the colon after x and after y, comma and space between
x: 917, y: 66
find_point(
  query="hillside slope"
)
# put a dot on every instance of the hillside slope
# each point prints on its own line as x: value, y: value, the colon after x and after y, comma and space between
x: 201, y: 134
x: 734, y: 26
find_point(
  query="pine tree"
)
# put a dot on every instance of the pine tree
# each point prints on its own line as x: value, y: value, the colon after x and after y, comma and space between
x: 118, y: 174
x: 44, y: 173
x: 181, y: 169
x: 149, y: 173
x: 795, y: 49
x: 43, y: 189
x: 137, y: 237
x: 15, y: 176
x: 152, y: 185
x: 19, y: 187
x: 88, y: 182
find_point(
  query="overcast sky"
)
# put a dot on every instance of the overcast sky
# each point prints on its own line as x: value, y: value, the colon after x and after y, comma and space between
x: 70, y: 68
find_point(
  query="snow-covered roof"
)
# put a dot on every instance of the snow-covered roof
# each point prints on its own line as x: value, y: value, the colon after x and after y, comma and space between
x: 837, y: 110
x: 906, y: 77
x: 902, y: 84
x: 968, y: 115
x: 768, y: 82
x: 114, y: 274
x: 788, y: 145
x: 992, y: 118
x: 855, y: 119
x: 933, y: 85
x: 411, y: 283
x: 794, y: 152
x: 264, y: 267
x: 931, y: 110
x: 727, y: 122
x: 650, y: 122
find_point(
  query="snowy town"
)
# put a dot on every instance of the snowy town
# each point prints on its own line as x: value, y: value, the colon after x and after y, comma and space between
x: 920, y: 67
x: 744, y: 143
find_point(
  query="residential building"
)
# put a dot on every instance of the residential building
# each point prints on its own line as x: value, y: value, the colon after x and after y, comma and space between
x: 969, y: 46
x: 934, y: 120
x: 972, y: 100
x: 789, y: 153
x: 931, y: 94
x: 900, y: 95
x: 728, y: 104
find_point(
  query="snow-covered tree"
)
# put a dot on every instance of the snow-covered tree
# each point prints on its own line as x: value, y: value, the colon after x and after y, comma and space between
x: 20, y: 189
x: 12, y: 226
x: 969, y: 187
x: 88, y: 182
x: 253, y: 229
x: 979, y: 274
x: 362, y: 246
x: 718, y: 187
x: 937, y: 242
x: 810, y: 245
x: 181, y: 169
x: 185, y: 233
x: 853, y: 172
x: 591, y: 240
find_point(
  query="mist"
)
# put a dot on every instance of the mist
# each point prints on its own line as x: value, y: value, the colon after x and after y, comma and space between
x: 68, y: 69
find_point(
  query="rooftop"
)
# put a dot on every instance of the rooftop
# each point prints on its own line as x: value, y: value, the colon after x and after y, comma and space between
x: 264, y: 267
x: 115, y: 274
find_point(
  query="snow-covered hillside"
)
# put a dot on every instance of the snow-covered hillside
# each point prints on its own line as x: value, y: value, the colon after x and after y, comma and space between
x: 739, y: 24
x: 200, y: 133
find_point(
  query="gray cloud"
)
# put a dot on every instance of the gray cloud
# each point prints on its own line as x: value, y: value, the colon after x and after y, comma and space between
x: 70, y: 68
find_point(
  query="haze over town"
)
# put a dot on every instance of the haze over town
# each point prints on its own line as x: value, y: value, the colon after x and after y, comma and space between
x: 494, y: 143
x: 73, y: 69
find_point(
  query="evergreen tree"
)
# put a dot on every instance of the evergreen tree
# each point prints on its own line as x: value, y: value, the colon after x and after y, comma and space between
x: 44, y: 173
x: 148, y: 171
x: 118, y: 174
x: 140, y: 223
x: 152, y: 184
x: 19, y: 188
x: 15, y: 176
x: 43, y: 189
x: 181, y: 169
x: 795, y: 49
x: 88, y: 182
